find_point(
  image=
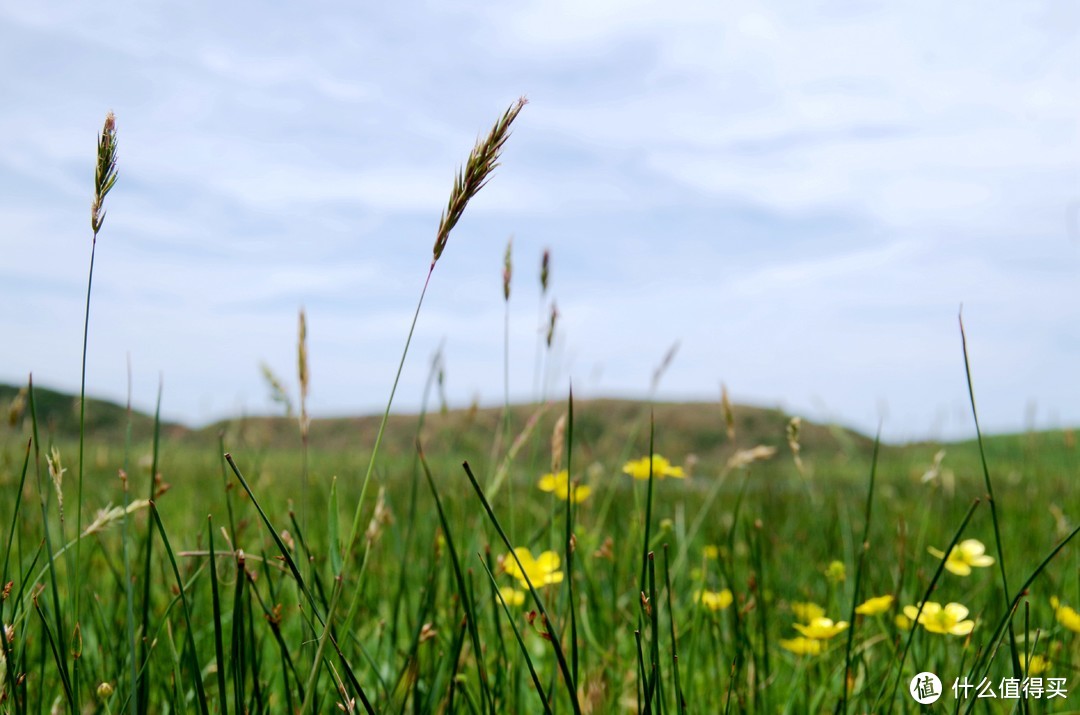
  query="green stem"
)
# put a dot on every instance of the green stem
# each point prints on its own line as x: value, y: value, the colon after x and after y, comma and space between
x: 1014, y: 651
x: 355, y: 530
x: 82, y: 443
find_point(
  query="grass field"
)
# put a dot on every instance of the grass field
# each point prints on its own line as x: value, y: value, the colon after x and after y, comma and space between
x: 762, y: 565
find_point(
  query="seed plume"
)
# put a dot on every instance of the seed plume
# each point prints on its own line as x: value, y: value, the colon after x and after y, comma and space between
x: 477, y: 171
x: 105, y: 174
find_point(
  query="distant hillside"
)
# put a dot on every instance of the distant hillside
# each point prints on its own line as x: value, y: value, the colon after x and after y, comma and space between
x: 58, y: 416
x: 601, y: 427
x: 604, y: 430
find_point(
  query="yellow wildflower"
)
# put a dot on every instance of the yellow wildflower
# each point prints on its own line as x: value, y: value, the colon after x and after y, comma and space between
x: 512, y: 596
x: 821, y: 629
x: 661, y: 468
x: 836, y: 572
x: 803, y: 646
x: 1036, y: 666
x: 947, y: 619
x: 874, y: 606
x: 902, y: 622
x: 541, y: 571
x: 711, y: 552
x: 715, y: 600
x: 559, y: 484
x: 1066, y: 616
x: 807, y: 612
x: 968, y: 553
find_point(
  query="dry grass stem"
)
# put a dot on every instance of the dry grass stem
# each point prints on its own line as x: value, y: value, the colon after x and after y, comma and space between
x: 303, y: 374
x: 793, y: 429
x: 748, y: 456
x: 558, y: 441
x: 729, y: 412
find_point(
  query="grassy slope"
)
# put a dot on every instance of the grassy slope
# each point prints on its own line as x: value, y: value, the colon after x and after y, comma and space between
x: 604, y: 424
x: 606, y: 430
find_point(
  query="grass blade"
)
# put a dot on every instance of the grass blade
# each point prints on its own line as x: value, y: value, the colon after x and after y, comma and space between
x: 859, y: 572
x: 196, y: 674
x: 551, y: 632
x: 219, y: 648
x: 520, y: 641
x: 466, y: 600
x: 1013, y: 650
x: 680, y: 701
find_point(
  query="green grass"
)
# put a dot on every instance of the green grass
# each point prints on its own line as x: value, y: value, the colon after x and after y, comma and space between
x: 242, y: 585
x: 776, y: 531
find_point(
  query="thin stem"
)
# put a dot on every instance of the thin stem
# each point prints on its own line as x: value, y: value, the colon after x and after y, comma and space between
x: 354, y: 532
x: 82, y: 449
x: 990, y: 497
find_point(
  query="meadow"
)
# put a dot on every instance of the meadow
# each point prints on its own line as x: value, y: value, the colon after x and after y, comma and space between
x: 529, y: 558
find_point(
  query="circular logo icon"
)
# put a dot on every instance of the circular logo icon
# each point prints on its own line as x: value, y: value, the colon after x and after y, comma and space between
x: 925, y: 688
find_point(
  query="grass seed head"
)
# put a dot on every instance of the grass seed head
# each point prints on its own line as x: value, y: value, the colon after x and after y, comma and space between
x: 793, y: 429
x: 545, y: 267
x: 111, y: 514
x: 380, y: 518
x: 16, y: 408
x: 745, y: 457
x: 551, y: 325
x: 278, y: 393
x: 303, y: 374
x: 105, y: 174
x: 665, y: 363
x: 558, y: 441
x: 56, y: 473
x: 729, y: 412
x: 482, y: 161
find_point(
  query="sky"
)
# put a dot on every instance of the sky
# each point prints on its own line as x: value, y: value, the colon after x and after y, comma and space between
x: 799, y: 196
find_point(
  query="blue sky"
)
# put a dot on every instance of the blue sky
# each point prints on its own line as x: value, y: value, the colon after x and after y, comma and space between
x: 800, y: 194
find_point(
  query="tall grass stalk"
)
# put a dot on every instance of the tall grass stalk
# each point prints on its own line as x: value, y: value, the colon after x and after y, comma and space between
x: 648, y: 505
x: 129, y: 585
x: 1013, y: 650
x: 410, y: 522
x: 104, y: 180
x: 864, y: 547
x: 545, y: 274
x: 502, y: 431
x: 478, y: 169
x: 219, y: 646
x: 303, y: 378
x: 570, y: 539
x: 147, y: 575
